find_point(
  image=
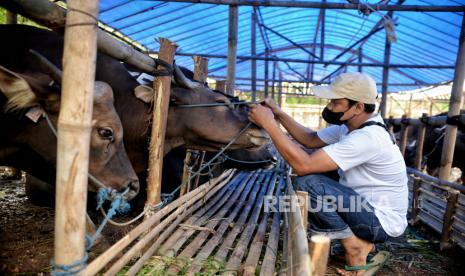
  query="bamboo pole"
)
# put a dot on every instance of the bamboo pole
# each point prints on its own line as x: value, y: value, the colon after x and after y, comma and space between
x: 50, y: 15
x: 327, y: 62
x: 11, y: 18
x: 303, y: 204
x: 273, y: 80
x: 420, y: 144
x: 452, y: 198
x: 221, y: 85
x: 161, y: 88
x: 455, y: 104
x: 331, y: 5
x: 186, y: 174
x: 253, y: 50
x: 300, y: 262
x: 232, y: 49
x: 319, y: 252
x: 200, y: 69
x: 404, y: 136
x: 265, y: 74
x: 280, y: 90
x: 415, y: 200
x: 384, y: 87
x: 74, y: 129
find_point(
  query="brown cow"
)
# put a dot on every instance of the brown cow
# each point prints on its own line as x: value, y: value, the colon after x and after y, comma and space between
x: 26, y: 97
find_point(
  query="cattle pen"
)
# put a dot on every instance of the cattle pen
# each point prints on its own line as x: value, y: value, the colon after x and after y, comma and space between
x: 232, y: 224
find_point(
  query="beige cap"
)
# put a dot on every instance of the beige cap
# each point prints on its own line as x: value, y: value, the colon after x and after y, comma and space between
x: 356, y: 86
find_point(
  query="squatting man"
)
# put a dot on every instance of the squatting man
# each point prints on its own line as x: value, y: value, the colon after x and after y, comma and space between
x: 369, y: 164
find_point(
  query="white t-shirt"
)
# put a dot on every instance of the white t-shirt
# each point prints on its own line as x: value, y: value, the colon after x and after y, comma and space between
x: 372, y: 166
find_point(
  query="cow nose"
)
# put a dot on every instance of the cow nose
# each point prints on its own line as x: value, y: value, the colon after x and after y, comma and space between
x: 134, y: 187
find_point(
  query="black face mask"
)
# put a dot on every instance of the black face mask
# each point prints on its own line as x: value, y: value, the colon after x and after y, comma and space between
x: 334, y: 118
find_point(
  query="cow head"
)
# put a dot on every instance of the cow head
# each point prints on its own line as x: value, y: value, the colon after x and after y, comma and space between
x: 204, y: 128
x: 108, y: 159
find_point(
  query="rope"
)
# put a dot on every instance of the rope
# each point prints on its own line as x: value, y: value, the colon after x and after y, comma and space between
x: 247, y: 162
x: 213, y: 104
x: 72, y: 269
x: 166, y: 198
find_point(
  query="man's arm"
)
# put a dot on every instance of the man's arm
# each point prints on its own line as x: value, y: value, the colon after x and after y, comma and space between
x: 300, y: 161
x: 303, y: 135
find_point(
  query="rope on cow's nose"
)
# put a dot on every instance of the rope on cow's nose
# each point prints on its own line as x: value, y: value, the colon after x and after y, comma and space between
x: 167, y: 198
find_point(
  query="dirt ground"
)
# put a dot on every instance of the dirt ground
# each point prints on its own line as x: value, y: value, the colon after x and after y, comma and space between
x: 26, y: 242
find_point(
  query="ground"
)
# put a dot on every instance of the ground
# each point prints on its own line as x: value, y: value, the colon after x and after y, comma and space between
x: 26, y: 242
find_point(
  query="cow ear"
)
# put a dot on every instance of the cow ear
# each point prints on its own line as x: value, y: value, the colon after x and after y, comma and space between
x: 16, y: 89
x: 144, y: 93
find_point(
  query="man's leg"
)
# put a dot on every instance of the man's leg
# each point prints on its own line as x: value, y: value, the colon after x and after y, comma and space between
x: 339, y: 212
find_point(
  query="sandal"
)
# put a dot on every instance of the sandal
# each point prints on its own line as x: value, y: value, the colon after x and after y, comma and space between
x: 373, y: 265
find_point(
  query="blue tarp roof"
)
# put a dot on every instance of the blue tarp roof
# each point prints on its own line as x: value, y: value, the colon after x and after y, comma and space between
x: 422, y: 38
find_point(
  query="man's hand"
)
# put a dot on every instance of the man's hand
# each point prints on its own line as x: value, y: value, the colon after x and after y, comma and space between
x: 261, y: 115
x: 269, y: 102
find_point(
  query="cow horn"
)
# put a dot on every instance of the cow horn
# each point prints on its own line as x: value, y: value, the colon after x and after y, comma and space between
x: 47, y: 66
x: 183, y: 81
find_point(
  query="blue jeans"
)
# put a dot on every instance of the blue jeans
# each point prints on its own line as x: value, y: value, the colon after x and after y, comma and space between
x: 337, y: 211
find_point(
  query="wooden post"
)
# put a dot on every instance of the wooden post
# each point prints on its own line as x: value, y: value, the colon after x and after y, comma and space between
x: 265, y: 89
x: 186, y: 174
x: 232, y: 49
x: 415, y: 200
x: 404, y: 136
x: 391, y: 126
x: 322, y: 33
x: 303, y: 204
x: 273, y: 80
x: 319, y: 253
x: 420, y: 143
x: 11, y: 18
x: 253, y: 46
x: 200, y: 69
x: 384, y: 87
x: 280, y: 90
x: 221, y: 85
x: 451, y: 135
x: 74, y: 128
x: 454, y: 108
x: 452, y: 198
x: 161, y: 86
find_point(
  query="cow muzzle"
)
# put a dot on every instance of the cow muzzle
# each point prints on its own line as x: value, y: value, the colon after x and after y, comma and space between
x: 134, y: 188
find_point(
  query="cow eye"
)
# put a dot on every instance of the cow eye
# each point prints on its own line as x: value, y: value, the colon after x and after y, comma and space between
x: 106, y: 134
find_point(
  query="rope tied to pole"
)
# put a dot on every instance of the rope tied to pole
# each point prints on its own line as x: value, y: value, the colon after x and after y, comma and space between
x: 72, y: 269
x: 167, y: 198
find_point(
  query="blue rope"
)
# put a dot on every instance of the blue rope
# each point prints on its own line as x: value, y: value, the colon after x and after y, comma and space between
x: 72, y: 269
x: 118, y: 206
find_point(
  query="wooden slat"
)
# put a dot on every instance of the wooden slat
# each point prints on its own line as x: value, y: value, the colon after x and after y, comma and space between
x: 237, y: 255
x: 200, y: 239
x: 208, y: 248
x: 224, y: 193
x: 205, y: 191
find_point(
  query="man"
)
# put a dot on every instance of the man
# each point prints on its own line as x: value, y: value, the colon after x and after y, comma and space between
x: 371, y: 198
